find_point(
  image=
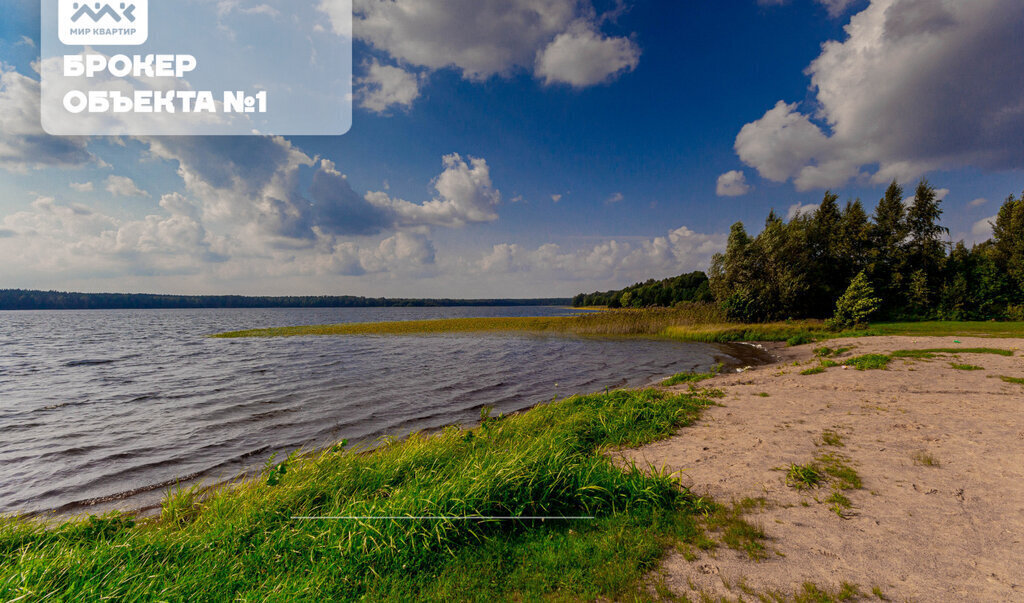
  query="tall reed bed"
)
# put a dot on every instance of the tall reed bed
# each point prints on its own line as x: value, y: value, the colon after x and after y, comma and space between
x: 247, y: 542
x: 649, y: 321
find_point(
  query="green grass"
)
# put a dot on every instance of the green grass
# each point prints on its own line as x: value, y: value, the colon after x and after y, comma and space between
x: 830, y: 437
x: 804, y: 477
x: 736, y: 532
x: 869, y: 362
x: 827, y: 352
x: 692, y: 322
x: 651, y: 321
x: 948, y: 329
x: 926, y: 460
x: 813, y: 370
x: 837, y: 467
x: 966, y: 367
x: 839, y: 503
x: 1015, y: 380
x: 242, y: 543
x: 813, y: 594
x: 686, y: 377
x: 689, y: 322
x: 933, y: 352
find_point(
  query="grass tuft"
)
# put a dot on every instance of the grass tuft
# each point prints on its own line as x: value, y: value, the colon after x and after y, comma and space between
x: 1014, y: 380
x: 804, y: 477
x: 691, y: 377
x: 966, y: 367
x: 869, y: 362
x: 830, y: 437
x: 925, y: 459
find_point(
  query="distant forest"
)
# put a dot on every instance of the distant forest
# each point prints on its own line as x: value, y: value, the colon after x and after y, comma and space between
x: 17, y: 299
x: 801, y: 268
x: 693, y: 287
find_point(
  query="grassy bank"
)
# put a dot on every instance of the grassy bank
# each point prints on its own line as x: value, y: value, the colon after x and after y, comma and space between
x: 691, y: 322
x: 245, y: 543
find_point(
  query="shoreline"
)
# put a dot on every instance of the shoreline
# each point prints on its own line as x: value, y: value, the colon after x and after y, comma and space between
x: 145, y: 502
x: 938, y: 443
x: 931, y: 483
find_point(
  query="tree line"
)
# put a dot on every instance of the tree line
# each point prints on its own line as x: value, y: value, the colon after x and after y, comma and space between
x: 896, y: 264
x: 692, y: 287
x: 20, y: 299
x: 800, y: 268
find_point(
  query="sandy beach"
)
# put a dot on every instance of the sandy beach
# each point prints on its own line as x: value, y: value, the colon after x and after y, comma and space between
x: 940, y: 452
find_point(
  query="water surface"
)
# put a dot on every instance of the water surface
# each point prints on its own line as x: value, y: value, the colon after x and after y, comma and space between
x: 100, y: 405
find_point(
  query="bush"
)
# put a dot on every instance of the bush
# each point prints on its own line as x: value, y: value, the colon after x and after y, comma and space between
x: 856, y: 306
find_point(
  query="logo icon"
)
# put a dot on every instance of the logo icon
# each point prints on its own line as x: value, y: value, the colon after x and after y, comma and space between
x: 104, y: 23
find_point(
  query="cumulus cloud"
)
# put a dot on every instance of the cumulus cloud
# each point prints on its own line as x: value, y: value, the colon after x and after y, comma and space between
x: 583, y: 57
x: 559, y: 41
x: 465, y: 194
x: 835, y: 8
x: 56, y: 239
x: 978, y: 202
x: 680, y: 250
x: 798, y: 209
x: 123, y: 186
x: 983, y: 228
x: 82, y: 187
x: 23, y: 144
x: 51, y: 237
x: 917, y: 85
x: 732, y: 184
x: 385, y: 87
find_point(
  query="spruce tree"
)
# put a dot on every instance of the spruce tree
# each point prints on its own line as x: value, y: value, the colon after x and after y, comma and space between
x: 926, y: 251
x: 1008, y: 245
x: 888, y: 255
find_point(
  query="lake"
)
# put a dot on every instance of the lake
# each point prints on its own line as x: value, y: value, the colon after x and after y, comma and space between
x: 107, y: 409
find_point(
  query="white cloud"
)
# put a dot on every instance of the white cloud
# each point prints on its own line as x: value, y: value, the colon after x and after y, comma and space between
x: 614, y: 199
x: 51, y: 239
x: 917, y: 85
x: 556, y: 198
x: 978, y: 202
x: 55, y: 238
x: 465, y: 194
x: 680, y: 251
x: 983, y: 228
x: 798, y: 209
x: 732, y: 184
x: 835, y: 8
x: 583, y: 57
x: 23, y: 144
x: 82, y: 187
x: 385, y: 87
x: 124, y: 186
x: 558, y: 41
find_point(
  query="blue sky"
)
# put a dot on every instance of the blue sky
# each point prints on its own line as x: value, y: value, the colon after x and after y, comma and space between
x: 527, y: 147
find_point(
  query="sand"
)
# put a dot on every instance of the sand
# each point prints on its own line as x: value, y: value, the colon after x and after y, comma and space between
x: 917, y: 532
